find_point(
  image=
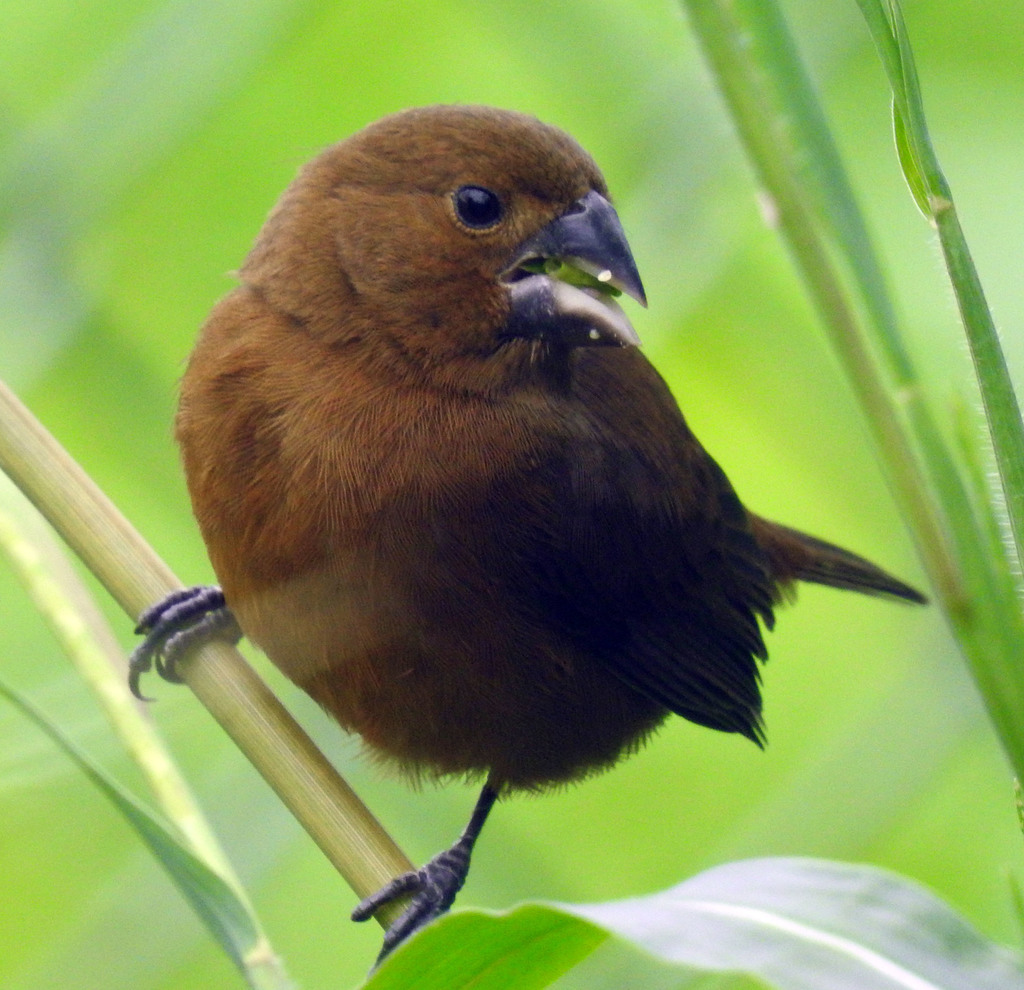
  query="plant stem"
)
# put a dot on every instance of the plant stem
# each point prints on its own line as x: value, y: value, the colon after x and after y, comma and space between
x: 348, y: 834
x: 778, y: 119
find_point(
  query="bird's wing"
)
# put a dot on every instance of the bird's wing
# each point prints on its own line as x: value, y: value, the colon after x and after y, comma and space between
x: 652, y: 566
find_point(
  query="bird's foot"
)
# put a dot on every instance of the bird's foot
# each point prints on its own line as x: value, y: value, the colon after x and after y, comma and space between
x: 176, y: 624
x: 433, y: 887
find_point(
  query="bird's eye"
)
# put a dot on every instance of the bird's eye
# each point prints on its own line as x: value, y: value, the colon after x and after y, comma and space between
x: 477, y: 207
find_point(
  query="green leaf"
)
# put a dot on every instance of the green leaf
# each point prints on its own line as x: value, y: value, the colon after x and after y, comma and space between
x: 566, y: 272
x: 222, y: 912
x: 803, y: 923
x: 795, y: 924
x: 526, y: 947
x: 908, y: 162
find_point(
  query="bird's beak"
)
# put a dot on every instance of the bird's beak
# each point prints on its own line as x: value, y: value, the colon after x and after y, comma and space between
x: 563, y: 280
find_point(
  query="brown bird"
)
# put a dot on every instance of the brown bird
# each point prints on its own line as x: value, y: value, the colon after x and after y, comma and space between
x: 447, y: 495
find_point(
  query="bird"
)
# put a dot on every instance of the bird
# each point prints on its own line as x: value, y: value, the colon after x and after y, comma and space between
x: 445, y: 492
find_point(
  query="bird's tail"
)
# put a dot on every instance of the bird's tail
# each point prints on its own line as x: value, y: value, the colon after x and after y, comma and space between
x: 795, y: 556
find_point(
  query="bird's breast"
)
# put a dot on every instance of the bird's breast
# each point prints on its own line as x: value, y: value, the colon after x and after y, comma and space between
x: 414, y: 627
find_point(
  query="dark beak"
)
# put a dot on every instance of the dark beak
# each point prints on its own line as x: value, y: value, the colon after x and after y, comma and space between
x: 561, y: 279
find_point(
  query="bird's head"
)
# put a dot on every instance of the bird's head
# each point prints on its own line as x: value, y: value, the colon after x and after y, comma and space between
x: 451, y: 232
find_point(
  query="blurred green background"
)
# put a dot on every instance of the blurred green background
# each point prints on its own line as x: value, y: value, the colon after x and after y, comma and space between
x: 141, y: 145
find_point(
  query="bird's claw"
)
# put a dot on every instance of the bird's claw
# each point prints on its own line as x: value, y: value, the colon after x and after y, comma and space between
x: 172, y: 626
x: 433, y: 888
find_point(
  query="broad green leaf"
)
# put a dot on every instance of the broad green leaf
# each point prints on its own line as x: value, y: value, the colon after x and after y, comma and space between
x: 803, y: 923
x: 794, y: 924
x: 526, y: 947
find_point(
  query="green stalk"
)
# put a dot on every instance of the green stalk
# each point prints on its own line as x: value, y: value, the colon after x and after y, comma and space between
x: 772, y: 104
x: 348, y: 834
x: 932, y: 194
x: 774, y: 111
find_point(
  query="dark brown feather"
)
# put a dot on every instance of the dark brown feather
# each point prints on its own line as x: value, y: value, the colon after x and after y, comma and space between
x: 796, y: 556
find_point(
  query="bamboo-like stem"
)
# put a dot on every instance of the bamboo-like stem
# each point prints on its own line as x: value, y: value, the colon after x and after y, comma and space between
x: 340, y: 824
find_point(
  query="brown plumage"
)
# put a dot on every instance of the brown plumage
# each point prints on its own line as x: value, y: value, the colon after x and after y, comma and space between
x: 481, y: 543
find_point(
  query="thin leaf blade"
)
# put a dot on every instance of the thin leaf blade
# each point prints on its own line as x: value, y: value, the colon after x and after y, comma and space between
x: 908, y: 162
x: 223, y: 913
